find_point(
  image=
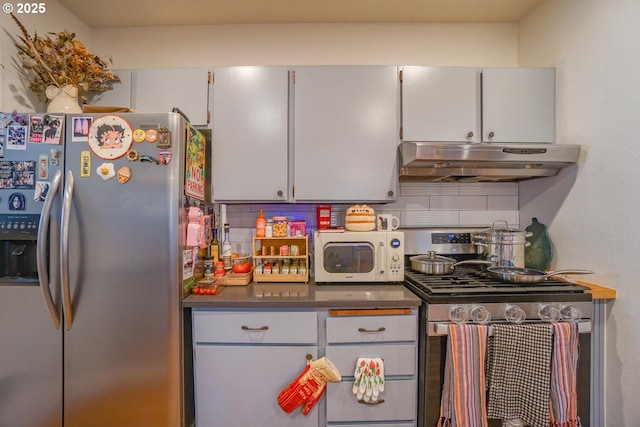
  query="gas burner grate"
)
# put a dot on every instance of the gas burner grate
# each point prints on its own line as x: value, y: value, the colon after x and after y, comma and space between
x: 469, y: 281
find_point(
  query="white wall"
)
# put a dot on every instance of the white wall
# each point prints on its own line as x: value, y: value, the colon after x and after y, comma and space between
x: 311, y: 44
x: 595, y: 45
x: 14, y: 91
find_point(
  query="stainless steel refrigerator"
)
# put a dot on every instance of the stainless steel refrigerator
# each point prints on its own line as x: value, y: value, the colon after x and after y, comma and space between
x: 112, y: 259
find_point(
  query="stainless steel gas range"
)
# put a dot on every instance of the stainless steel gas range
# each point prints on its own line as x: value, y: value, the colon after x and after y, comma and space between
x: 470, y: 294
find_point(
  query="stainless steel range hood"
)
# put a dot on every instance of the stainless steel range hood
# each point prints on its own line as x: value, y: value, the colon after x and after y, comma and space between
x: 483, y: 162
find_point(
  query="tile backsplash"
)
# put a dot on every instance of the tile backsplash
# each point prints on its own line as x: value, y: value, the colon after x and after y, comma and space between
x: 419, y: 204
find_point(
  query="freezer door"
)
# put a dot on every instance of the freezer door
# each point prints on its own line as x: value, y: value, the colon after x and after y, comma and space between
x: 122, y: 324
x: 30, y: 333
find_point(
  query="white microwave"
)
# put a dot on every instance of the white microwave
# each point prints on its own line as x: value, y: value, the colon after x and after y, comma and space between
x: 359, y: 256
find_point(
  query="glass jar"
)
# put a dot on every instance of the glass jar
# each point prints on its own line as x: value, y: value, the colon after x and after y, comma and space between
x: 218, y: 270
x: 208, y: 266
x: 280, y: 226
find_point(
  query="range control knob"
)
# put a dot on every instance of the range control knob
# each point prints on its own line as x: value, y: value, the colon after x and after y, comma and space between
x: 458, y: 314
x: 514, y: 314
x: 479, y: 314
x: 569, y: 313
x: 548, y: 313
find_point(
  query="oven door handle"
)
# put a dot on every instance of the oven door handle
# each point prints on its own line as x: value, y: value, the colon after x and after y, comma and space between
x: 442, y: 329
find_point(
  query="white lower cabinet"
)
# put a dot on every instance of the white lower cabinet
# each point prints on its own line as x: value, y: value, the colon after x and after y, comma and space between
x: 243, y: 359
x: 392, y: 338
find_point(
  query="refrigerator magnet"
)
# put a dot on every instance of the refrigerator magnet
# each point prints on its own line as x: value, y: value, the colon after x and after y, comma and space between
x: 152, y: 135
x: 165, y: 156
x: 17, y: 202
x: 139, y: 135
x: 42, y: 189
x: 132, y: 155
x: 110, y: 137
x: 106, y: 171
x: 85, y: 164
x: 43, y: 167
x: 124, y: 173
x: 164, y: 138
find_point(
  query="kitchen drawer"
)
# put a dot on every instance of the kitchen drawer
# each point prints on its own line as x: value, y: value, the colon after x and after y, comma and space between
x: 399, y: 359
x: 397, y: 402
x: 255, y: 328
x: 380, y: 425
x: 372, y: 329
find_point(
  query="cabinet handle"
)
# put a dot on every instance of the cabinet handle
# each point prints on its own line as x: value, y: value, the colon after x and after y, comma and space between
x: 377, y: 402
x: 263, y: 328
x: 380, y: 329
x: 491, y: 134
x: 390, y: 193
x: 470, y: 135
x: 279, y: 193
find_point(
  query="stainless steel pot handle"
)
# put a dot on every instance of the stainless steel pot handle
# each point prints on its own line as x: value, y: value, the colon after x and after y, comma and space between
x: 64, y: 250
x: 41, y: 251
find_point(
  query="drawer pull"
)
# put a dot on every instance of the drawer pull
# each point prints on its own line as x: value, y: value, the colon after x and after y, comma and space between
x: 263, y: 328
x: 380, y: 329
x: 376, y: 402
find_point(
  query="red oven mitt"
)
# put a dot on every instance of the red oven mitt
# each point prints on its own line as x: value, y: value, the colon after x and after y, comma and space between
x: 309, y: 386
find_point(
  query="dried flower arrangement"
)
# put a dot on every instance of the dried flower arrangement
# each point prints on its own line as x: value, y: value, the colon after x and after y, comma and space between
x: 61, y: 61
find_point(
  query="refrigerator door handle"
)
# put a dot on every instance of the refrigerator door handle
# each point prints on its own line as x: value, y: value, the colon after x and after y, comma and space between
x: 41, y: 250
x: 64, y: 250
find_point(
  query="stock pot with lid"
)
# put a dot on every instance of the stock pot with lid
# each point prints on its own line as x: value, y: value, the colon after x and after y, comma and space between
x: 503, y: 245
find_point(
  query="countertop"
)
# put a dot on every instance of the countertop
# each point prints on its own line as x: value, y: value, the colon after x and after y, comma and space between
x: 310, y: 295
x: 599, y: 292
x: 307, y: 295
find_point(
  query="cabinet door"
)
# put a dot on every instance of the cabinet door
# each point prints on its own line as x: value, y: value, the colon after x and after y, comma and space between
x: 519, y: 104
x: 346, y: 133
x: 239, y: 385
x: 161, y: 89
x: 250, y: 133
x: 441, y: 104
x: 119, y: 96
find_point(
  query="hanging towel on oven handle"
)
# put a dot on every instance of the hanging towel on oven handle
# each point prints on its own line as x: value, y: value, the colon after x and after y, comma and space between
x: 564, y: 373
x: 463, y: 401
x: 519, y: 372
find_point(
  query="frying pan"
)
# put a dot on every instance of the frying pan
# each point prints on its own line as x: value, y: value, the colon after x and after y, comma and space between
x: 527, y: 275
x: 436, y: 265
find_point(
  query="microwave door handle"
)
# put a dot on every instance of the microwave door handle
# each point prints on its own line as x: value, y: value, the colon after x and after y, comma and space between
x: 381, y: 257
x: 41, y: 250
x: 64, y: 250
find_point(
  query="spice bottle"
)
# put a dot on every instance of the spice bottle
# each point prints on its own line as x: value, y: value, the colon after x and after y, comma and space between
x: 226, y: 249
x: 269, y: 228
x: 261, y: 225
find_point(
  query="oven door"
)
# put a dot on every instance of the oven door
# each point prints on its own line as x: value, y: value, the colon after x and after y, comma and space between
x: 348, y: 262
x: 434, y: 363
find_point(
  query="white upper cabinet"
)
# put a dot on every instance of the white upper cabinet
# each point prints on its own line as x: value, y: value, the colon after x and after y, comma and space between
x: 460, y: 104
x: 161, y: 89
x: 119, y: 96
x: 346, y: 132
x: 250, y: 133
x: 441, y: 104
x: 519, y: 105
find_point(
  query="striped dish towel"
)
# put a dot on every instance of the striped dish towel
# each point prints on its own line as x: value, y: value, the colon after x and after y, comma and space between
x: 519, y: 372
x: 463, y: 392
x: 564, y: 371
